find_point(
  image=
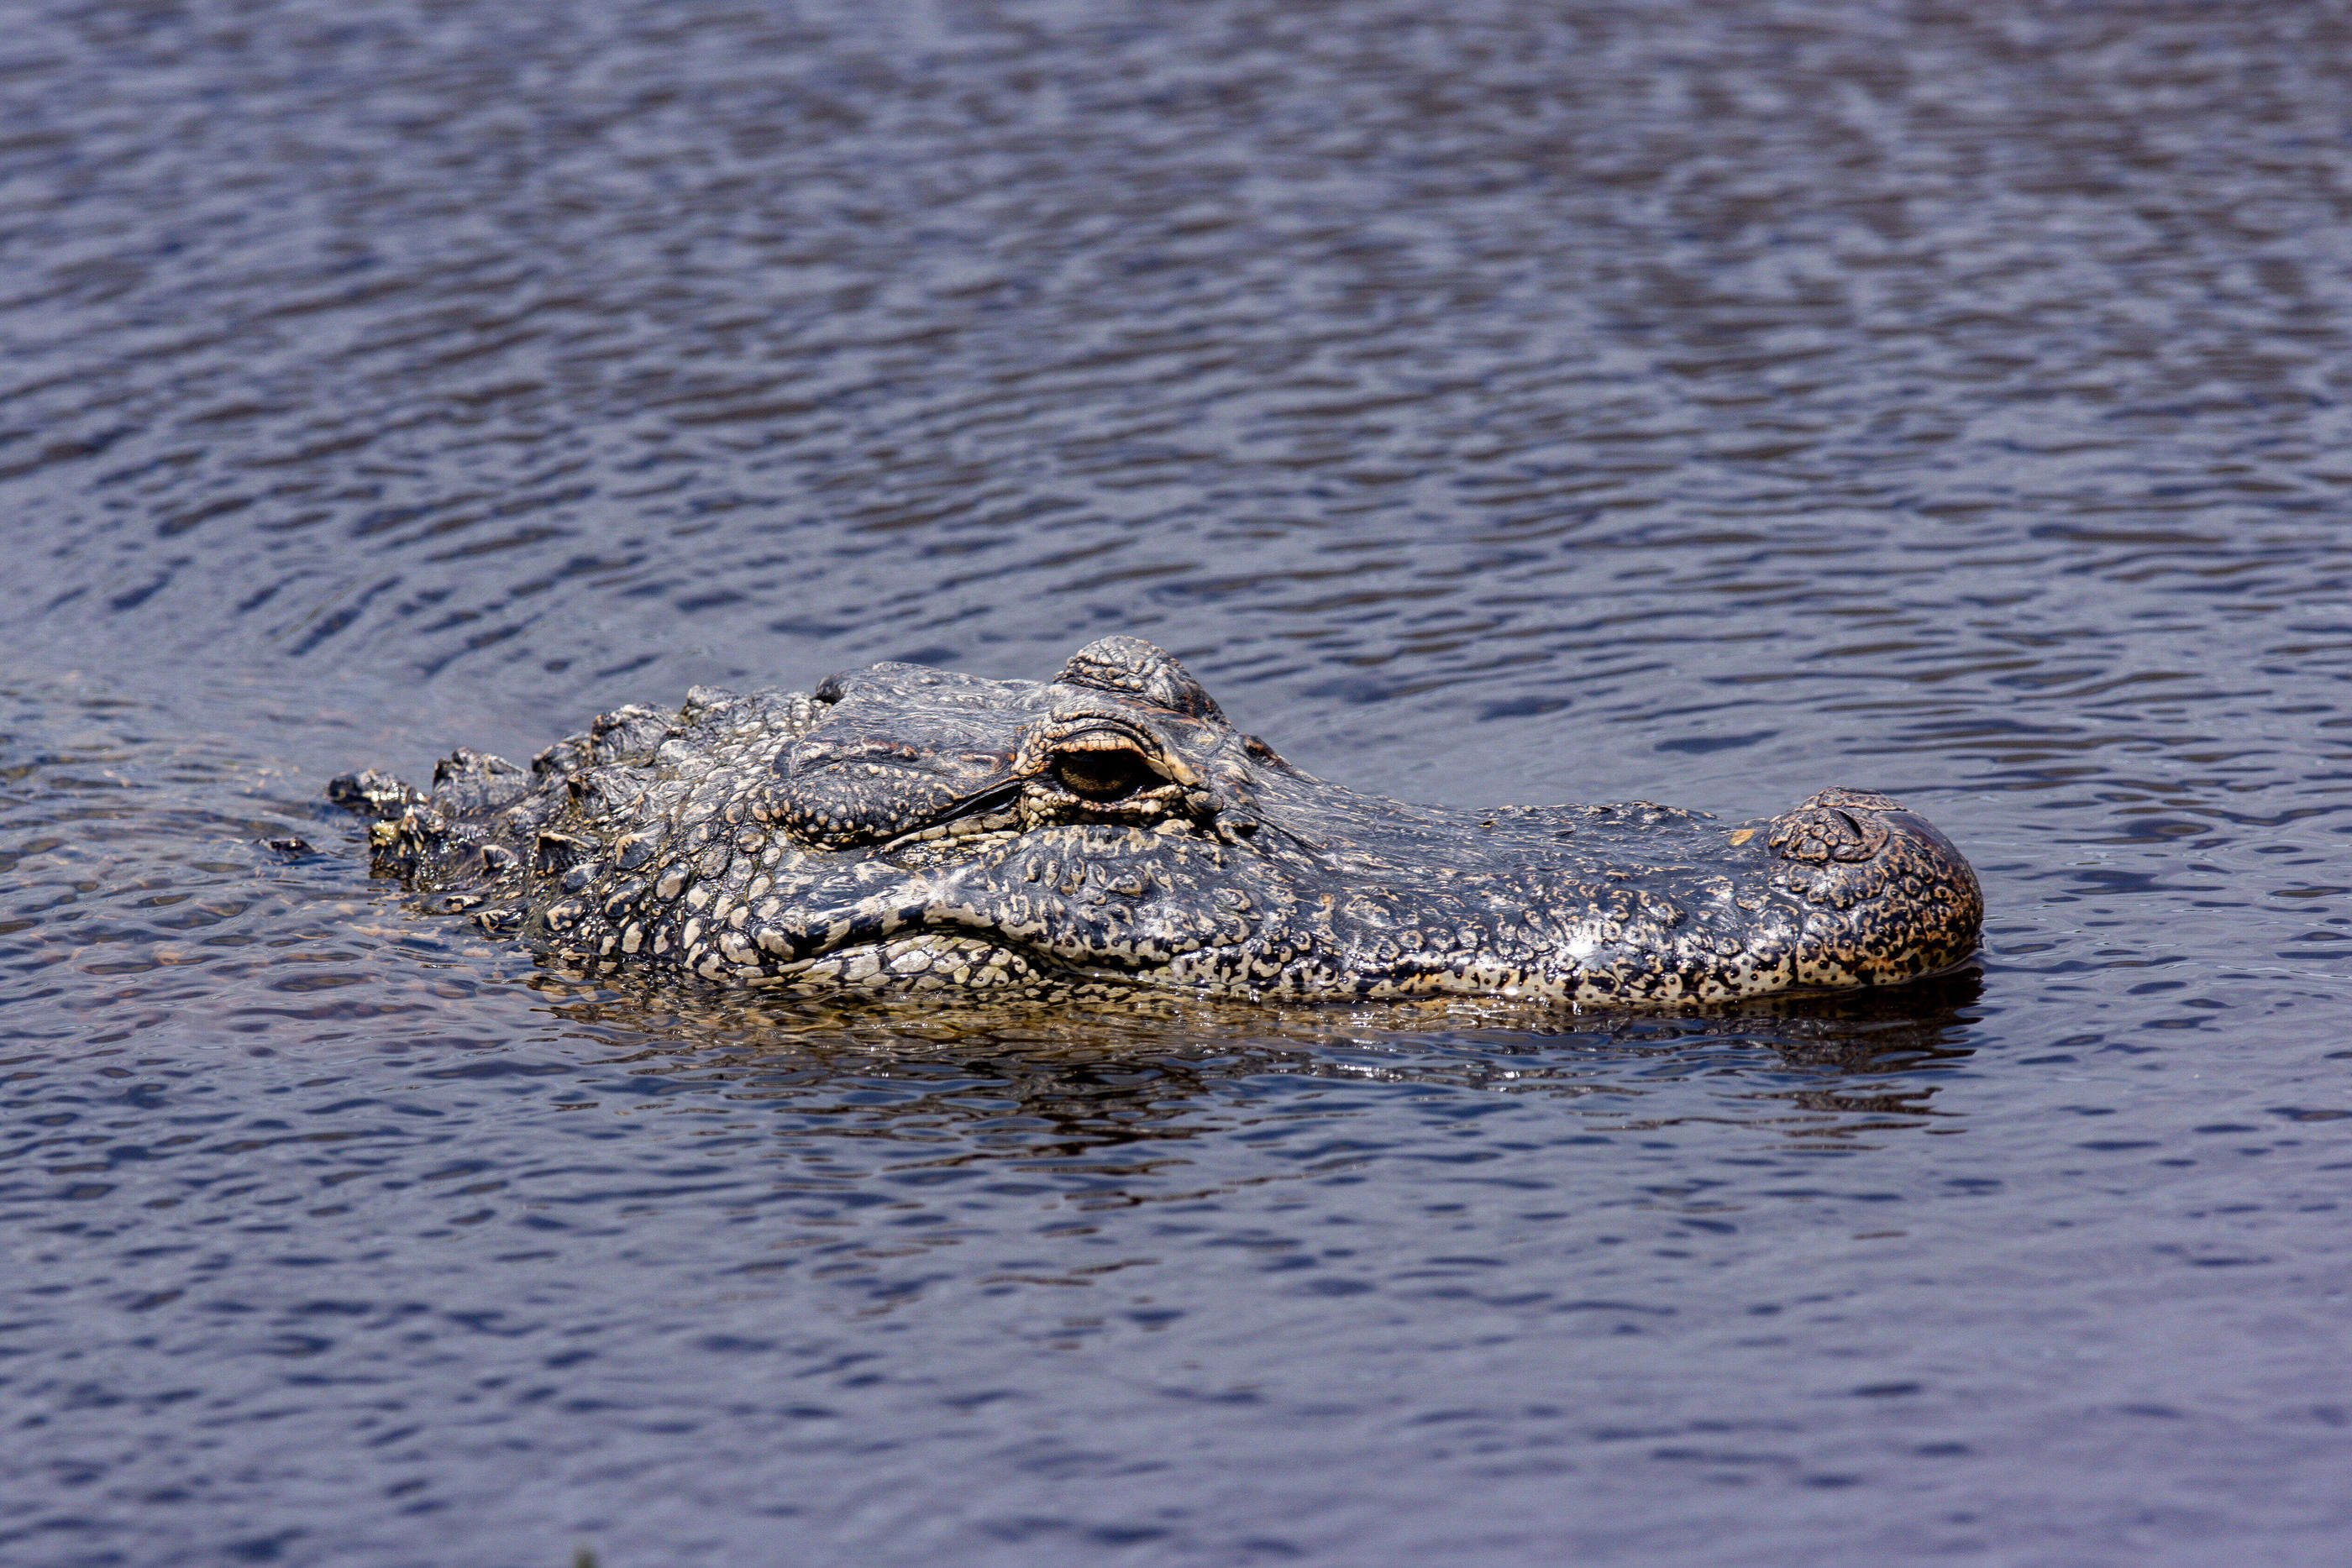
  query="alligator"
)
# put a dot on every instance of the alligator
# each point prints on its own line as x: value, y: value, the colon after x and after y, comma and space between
x: 904, y: 828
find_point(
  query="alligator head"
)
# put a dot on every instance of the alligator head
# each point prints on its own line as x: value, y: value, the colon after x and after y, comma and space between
x: 906, y: 827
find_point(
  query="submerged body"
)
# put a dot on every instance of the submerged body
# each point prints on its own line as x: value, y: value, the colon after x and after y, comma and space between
x: 906, y: 827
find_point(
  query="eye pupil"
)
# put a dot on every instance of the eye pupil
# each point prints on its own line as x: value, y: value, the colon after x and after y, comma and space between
x: 1102, y: 775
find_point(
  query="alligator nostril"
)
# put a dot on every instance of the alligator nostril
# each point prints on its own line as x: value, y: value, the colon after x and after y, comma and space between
x: 1820, y: 832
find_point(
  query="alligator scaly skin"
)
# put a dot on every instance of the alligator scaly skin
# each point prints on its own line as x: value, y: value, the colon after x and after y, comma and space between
x: 910, y: 828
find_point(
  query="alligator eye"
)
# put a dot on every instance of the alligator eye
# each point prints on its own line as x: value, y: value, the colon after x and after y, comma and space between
x: 1104, y: 775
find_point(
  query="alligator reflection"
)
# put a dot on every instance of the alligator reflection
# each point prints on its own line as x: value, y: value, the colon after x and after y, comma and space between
x: 1036, y: 1082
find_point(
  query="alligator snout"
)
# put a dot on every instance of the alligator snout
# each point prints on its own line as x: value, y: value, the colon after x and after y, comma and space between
x: 1893, y: 897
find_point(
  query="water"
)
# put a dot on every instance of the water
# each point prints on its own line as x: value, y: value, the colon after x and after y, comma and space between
x: 1701, y: 404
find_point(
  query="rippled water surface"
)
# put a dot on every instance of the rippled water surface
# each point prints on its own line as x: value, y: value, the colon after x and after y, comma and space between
x: 1706, y: 403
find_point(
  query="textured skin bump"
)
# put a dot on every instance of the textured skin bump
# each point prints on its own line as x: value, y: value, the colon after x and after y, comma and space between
x: 1130, y: 668
x: 909, y: 829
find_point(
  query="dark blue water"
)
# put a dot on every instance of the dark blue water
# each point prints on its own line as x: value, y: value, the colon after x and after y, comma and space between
x: 1489, y: 403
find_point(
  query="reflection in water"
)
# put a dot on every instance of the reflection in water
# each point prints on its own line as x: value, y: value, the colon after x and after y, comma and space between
x: 1028, y: 1081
